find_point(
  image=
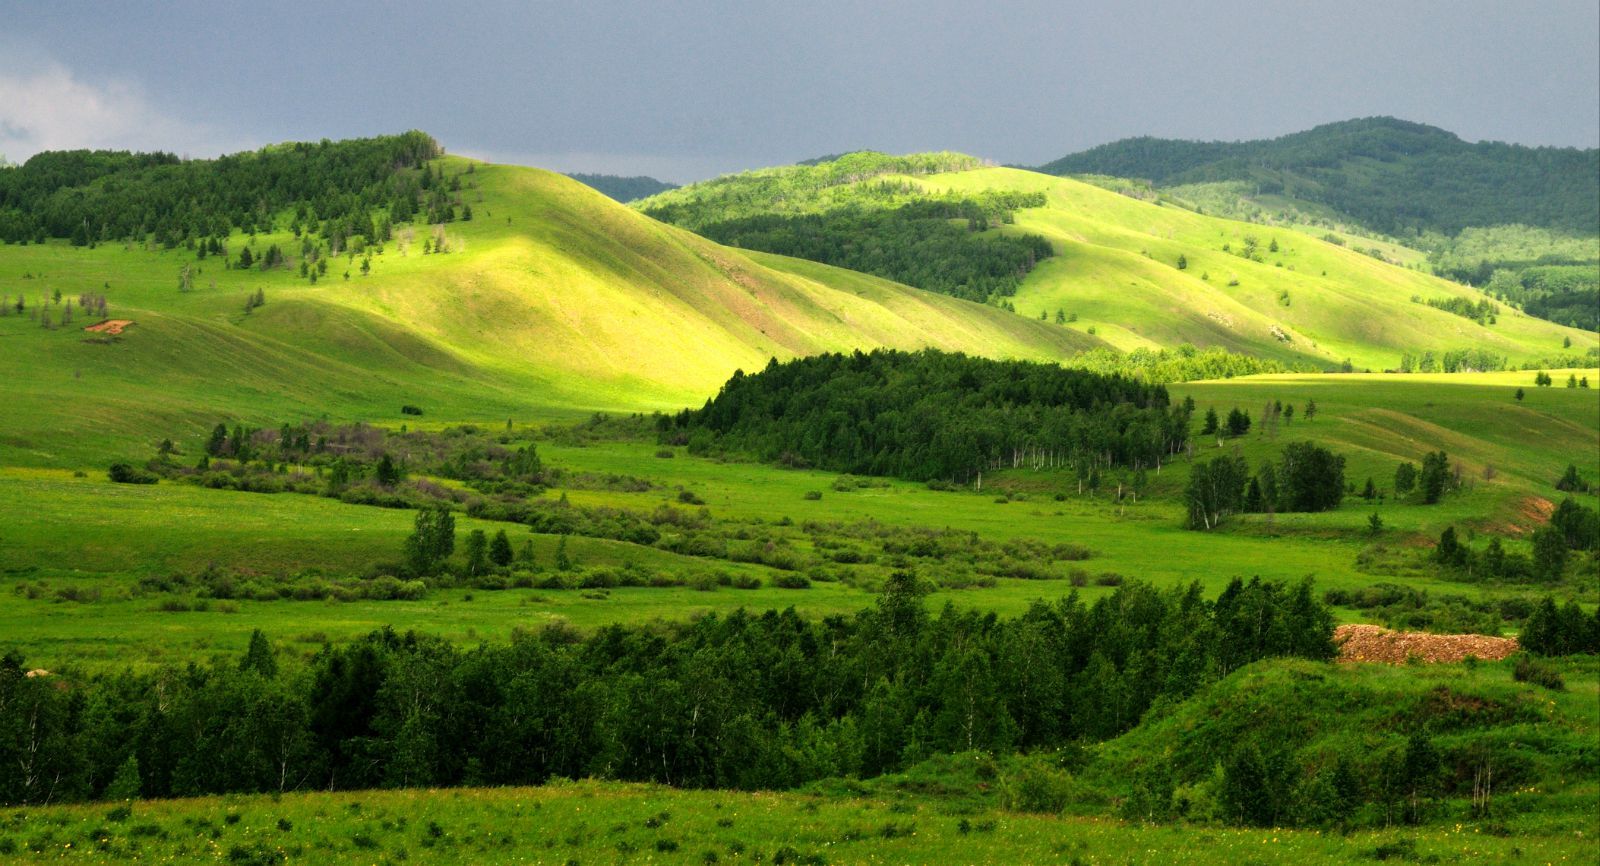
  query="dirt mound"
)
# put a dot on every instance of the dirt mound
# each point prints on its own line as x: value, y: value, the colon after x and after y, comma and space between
x: 1373, y: 643
x: 110, y: 327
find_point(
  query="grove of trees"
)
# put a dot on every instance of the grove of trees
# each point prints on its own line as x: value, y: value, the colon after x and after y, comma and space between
x: 934, y: 416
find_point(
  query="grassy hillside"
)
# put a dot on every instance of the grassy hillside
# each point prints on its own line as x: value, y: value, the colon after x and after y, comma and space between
x: 1390, y: 175
x: 1116, y: 269
x: 552, y: 300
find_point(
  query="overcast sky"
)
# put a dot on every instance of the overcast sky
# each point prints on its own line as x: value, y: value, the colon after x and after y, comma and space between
x: 689, y: 89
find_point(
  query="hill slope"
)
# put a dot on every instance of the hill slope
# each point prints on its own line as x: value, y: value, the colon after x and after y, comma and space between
x: 1116, y: 266
x: 553, y: 299
x: 1396, y: 177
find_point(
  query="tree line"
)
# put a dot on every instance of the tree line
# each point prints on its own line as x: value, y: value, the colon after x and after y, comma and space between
x: 768, y: 700
x: 93, y: 196
x: 931, y: 415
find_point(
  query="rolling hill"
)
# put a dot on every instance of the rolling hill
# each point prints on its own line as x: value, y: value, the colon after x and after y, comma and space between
x: 1141, y: 275
x: 552, y: 300
x: 1395, y: 177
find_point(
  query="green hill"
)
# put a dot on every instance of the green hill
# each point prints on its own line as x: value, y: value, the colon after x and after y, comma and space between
x: 1133, y: 272
x: 551, y: 299
x: 1396, y: 177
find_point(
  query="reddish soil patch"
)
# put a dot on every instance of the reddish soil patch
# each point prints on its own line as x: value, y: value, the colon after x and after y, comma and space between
x: 110, y: 327
x: 1373, y: 643
x: 1536, y: 508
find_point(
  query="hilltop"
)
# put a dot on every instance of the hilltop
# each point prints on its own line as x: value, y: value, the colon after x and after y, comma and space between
x: 1395, y: 177
x: 1133, y: 272
x: 499, y: 292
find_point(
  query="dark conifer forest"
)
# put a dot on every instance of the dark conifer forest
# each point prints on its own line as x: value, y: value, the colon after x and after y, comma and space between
x: 930, y: 415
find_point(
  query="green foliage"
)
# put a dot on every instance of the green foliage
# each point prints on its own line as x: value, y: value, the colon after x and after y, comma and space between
x: 1394, y: 176
x: 1185, y: 363
x: 122, y: 195
x: 744, y: 701
x: 124, y: 473
x: 125, y: 785
x: 1311, y: 478
x: 1558, y: 631
x: 847, y: 413
x: 432, y: 540
x: 1435, y: 477
x: 259, y: 656
x: 500, y: 549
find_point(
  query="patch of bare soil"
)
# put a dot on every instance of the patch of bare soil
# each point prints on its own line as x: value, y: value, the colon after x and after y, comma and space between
x: 1373, y: 643
x: 110, y: 327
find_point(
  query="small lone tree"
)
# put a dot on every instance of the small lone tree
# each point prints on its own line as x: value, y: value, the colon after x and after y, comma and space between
x: 126, y: 784
x: 432, y: 540
x: 1405, y: 478
x: 387, y: 473
x: 500, y: 549
x: 259, y: 657
x: 477, y: 550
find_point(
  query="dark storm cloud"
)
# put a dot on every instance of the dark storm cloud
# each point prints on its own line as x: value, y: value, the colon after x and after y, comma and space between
x: 688, y: 89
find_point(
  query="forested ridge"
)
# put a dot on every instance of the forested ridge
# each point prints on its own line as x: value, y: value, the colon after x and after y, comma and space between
x: 845, y: 211
x: 746, y: 700
x: 935, y: 416
x: 623, y: 189
x: 1396, y: 177
x: 93, y: 196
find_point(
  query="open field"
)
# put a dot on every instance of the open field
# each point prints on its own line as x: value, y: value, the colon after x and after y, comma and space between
x: 611, y: 823
x: 70, y: 537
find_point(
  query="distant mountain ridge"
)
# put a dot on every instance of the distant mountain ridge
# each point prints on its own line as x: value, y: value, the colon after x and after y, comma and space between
x: 623, y: 189
x: 1394, y: 176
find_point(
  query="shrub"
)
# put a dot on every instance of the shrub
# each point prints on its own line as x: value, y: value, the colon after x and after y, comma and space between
x: 1527, y: 670
x: 1035, y: 786
x: 123, y: 473
x: 409, y: 409
x: 813, y: 495
x: 791, y: 581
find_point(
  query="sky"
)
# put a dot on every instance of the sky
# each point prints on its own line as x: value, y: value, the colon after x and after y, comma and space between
x: 694, y: 88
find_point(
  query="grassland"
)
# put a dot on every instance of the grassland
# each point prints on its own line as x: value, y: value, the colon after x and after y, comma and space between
x: 554, y: 301
x: 587, y: 822
x: 83, y: 537
x: 1116, y: 268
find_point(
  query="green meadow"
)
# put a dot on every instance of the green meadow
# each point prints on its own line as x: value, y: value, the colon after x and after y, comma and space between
x: 555, y: 315
x: 76, y: 548
x: 584, y: 822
